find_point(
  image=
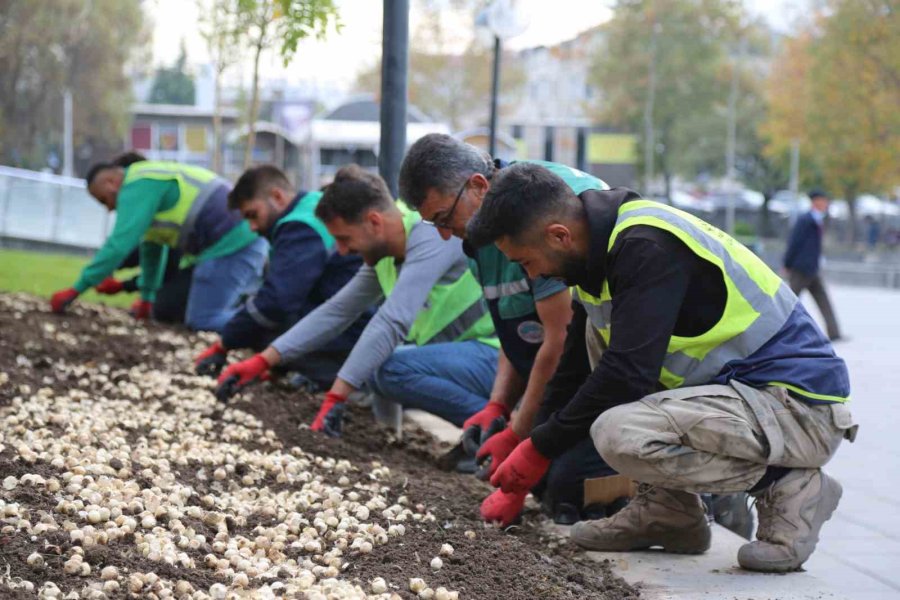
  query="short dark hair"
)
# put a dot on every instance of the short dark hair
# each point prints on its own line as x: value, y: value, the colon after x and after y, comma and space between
x: 256, y: 181
x: 126, y: 159
x: 441, y: 162
x: 353, y: 192
x: 122, y: 161
x: 95, y: 170
x: 817, y: 193
x: 521, y: 196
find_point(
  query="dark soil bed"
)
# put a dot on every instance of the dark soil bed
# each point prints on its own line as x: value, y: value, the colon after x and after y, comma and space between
x: 515, y: 564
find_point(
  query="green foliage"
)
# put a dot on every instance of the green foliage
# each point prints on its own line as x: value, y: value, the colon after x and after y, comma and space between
x: 173, y: 85
x: 47, y: 46
x: 285, y: 23
x: 835, y: 89
x: 743, y: 229
x: 450, y: 86
x: 266, y: 24
x: 303, y: 19
x: 42, y: 274
x: 688, y: 45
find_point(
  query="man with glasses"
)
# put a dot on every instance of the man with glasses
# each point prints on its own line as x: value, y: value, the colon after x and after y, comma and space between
x: 430, y: 345
x: 445, y: 180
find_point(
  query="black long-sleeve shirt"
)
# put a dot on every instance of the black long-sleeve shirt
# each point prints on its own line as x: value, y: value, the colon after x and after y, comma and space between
x: 659, y: 288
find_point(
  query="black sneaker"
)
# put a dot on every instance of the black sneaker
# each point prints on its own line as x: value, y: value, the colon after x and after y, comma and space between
x: 566, y: 514
x: 594, y: 511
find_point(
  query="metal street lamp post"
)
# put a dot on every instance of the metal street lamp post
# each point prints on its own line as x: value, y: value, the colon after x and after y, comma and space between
x: 504, y: 19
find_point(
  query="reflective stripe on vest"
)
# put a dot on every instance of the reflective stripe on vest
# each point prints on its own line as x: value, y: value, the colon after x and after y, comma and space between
x: 453, y: 312
x: 502, y: 290
x: 173, y: 227
x: 758, y: 303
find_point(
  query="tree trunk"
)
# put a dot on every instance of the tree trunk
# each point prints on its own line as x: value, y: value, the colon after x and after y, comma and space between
x: 217, y: 121
x: 667, y: 176
x: 765, y: 221
x: 649, y: 135
x: 254, y: 103
x: 850, y: 197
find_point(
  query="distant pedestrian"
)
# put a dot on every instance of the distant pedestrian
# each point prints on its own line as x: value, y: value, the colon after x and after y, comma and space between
x: 803, y: 259
x: 873, y: 232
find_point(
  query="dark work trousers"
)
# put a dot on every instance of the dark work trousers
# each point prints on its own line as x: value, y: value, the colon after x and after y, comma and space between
x: 171, y: 299
x: 815, y: 285
x: 321, y: 367
x: 564, y: 481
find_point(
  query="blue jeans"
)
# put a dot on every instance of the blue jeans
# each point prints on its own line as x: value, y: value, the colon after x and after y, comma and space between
x: 219, y: 283
x: 451, y: 380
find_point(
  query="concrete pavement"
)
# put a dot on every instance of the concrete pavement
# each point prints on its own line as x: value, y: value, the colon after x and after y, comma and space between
x: 859, y: 551
x: 712, y: 575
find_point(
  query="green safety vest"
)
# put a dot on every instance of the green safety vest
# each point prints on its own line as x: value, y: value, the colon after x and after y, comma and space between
x: 173, y: 226
x: 757, y: 305
x: 304, y: 212
x: 579, y: 181
x: 461, y: 300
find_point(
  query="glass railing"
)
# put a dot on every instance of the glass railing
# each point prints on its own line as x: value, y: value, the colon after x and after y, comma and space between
x: 50, y: 208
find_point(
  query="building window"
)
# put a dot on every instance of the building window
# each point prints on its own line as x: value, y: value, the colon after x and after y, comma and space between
x: 141, y: 137
x: 167, y: 137
x: 195, y: 139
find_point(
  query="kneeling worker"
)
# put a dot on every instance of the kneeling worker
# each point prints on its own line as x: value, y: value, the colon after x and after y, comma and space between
x: 446, y: 180
x: 161, y: 205
x: 171, y: 297
x: 431, y: 301
x: 713, y: 377
x: 304, y: 271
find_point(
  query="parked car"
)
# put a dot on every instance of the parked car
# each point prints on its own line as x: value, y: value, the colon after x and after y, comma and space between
x: 744, y: 199
x: 689, y: 202
x: 786, y: 203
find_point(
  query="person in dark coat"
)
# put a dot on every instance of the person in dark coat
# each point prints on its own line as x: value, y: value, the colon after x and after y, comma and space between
x: 803, y: 258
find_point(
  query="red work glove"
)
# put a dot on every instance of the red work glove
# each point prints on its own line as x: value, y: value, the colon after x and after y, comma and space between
x: 498, y: 448
x: 62, y: 299
x: 110, y: 286
x: 522, y: 470
x: 256, y: 367
x: 479, y: 427
x: 141, y: 309
x: 502, y: 508
x: 486, y: 415
x: 210, y: 361
x: 331, y: 415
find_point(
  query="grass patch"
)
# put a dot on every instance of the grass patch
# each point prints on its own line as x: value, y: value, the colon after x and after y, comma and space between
x: 42, y: 274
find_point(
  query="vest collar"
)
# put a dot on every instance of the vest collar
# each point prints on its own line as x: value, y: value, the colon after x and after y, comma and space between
x: 270, y: 234
x: 601, y: 211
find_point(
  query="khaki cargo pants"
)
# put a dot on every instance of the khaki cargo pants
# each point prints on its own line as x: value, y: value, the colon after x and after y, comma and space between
x: 717, y: 438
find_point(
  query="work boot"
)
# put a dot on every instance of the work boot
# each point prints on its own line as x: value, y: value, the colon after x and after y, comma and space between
x: 791, y: 513
x: 672, y: 519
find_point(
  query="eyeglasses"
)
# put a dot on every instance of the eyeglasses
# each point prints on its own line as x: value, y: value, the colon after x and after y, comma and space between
x: 444, y: 221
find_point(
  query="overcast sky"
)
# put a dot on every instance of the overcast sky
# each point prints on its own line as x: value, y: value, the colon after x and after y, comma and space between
x: 335, y: 61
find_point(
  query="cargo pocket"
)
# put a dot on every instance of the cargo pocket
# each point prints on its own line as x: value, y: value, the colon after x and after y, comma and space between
x: 843, y: 420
